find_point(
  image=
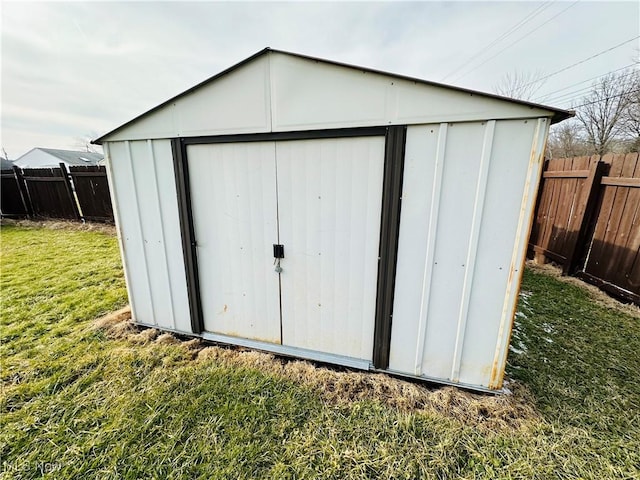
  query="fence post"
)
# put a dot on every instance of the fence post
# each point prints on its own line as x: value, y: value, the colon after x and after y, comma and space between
x: 24, y: 193
x: 538, y: 254
x: 580, y: 223
x: 72, y: 198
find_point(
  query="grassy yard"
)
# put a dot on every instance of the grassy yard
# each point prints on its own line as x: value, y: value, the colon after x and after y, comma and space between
x: 81, y: 402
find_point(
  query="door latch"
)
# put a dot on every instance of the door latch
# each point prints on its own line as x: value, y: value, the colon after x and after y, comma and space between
x: 278, y: 251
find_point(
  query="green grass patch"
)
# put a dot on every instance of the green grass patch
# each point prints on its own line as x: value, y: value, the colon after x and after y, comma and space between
x: 77, y: 403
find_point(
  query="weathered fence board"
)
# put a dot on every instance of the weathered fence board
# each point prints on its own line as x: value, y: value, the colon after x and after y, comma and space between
x: 582, y: 219
x: 82, y: 193
x: 50, y: 193
x: 615, y: 245
x: 12, y: 202
x: 562, y: 205
x: 92, y: 192
x: 588, y: 220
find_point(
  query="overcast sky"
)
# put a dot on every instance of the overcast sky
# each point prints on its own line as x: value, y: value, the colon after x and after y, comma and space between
x: 70, y: 70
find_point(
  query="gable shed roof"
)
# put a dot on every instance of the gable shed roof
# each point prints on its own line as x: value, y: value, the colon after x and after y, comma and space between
x: 274, y: 72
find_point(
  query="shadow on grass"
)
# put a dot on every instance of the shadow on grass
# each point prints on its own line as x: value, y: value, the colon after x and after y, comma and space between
x: 579, y: 358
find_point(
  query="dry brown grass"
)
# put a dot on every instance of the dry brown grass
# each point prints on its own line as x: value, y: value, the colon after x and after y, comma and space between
x: 62, y: 225
x: 596, y: 294
x: 339, y: 386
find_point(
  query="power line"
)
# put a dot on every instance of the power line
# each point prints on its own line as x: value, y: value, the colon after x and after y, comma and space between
x: 513, y: 43
x: 582, y: 61
x: 530, y: 16
x: 582, y: 91
x: 569, y: 95
x: 545, y: 97
x: 607, y: 98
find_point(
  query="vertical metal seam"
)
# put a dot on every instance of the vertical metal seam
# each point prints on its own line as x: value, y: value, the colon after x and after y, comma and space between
x: 380, y: 319
x: 162, y: 227
x: 275, y: 163
x: 116, y: 217
x: 187, y: 235
x: 139, y: 223
x: 432, y: 234
x: 470, y: 262
x: 198, y: 320
x: 518, y: 251
x: 395, y: 142
x: 270, y: 103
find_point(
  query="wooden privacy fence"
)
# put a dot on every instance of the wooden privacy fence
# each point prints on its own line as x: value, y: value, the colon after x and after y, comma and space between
x: 92, y: 191
x: 12, y: 203
x: 50, y: 193
x: 81, y: 193
x: 588, y: 220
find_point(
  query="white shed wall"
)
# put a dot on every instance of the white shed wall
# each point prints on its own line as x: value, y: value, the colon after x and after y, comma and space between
x: 467, y: 196
x: 278, y: 92
x: 235, y: 103
x: 145, y: 204
x: 468, y: 193
x: 472, y: 165
x: 306, y: 94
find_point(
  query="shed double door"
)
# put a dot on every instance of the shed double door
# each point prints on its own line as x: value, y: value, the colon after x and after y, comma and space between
x: 321, y: 200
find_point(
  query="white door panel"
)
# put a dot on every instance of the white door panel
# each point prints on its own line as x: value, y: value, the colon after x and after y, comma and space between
x: 329, y: 201
x: 233, y: 198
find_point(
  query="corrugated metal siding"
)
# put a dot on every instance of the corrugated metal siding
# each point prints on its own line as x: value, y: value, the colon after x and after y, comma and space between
x: 420, y: 197
x: 525, y: 222
x: 462, y: 207
x: 144, y: 198
x: 461, y: 162
x: 510, y: 169
x: 329, y: 208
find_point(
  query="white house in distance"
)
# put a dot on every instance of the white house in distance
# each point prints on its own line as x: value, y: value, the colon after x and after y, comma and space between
x: 5, y: 163
x: 332, y: 212
x: 49, y: 157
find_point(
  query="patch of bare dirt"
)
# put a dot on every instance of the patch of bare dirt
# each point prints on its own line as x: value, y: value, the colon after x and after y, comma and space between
x: 105, y: 228
x: 342, y: 386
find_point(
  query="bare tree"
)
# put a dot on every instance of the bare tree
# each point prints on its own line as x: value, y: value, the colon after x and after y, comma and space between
x: 630, y: 121
x: 521, y: 85
x: 602, y: 111
x: 567, y: 140
x: 83, y: 142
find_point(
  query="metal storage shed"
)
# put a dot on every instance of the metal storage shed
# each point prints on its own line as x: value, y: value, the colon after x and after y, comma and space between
x: 400, y: 207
